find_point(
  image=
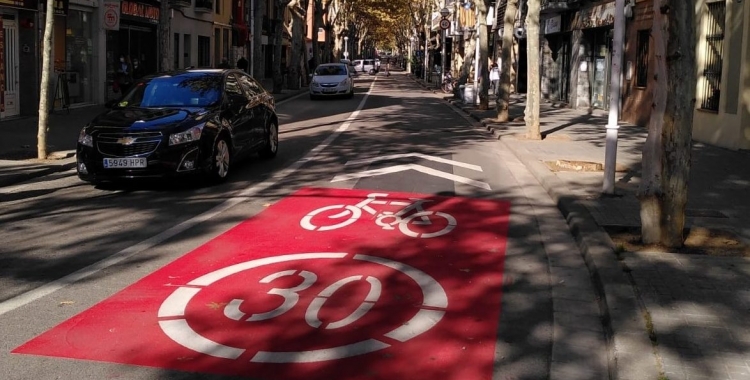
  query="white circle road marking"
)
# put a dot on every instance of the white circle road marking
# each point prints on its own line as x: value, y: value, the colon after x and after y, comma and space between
x: 175, y: 305
x: 51, y: 287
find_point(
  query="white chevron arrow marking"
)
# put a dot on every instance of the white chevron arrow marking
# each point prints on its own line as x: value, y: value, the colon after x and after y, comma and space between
x: 420, y: 155
x: 419, y: 168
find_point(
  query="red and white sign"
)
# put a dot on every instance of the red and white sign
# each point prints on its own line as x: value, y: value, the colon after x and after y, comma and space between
x: 111, y: 20
x: 326, y: 284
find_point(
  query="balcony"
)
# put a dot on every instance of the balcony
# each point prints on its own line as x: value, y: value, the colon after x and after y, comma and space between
x: 204, y: 6
x: 180, y: 3
x: 559, y: 6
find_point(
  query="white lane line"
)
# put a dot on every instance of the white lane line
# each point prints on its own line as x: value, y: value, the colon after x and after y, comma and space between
x: 419, y: 155
x: 51, y: 287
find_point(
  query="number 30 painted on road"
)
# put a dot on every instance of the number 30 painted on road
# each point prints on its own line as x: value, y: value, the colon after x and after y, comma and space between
x: 291, y: 297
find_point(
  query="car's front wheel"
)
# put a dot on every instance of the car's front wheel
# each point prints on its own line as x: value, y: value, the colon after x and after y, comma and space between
x: 220, y: 160
x: 272, y: 141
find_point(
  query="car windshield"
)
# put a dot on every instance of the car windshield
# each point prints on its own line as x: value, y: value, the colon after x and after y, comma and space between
x: 191, y: 90
x: 330, y: 70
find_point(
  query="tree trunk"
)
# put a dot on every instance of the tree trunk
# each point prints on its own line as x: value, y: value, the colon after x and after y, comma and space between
x: 298, y: 47
x: 503, y: 97
x: 533, y: 96
x: 317, y: 24
x: 484, y: 72
x: 665, y: 204
x: 164, y: 37
x: 650, y: 191
x: 44, y: 98
x: 259, y: 70
x: 278, y: 78
x: 470, y: 47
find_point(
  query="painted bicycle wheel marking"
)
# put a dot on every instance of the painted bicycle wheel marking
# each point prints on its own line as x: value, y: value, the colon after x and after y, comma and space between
x: 174, y: 322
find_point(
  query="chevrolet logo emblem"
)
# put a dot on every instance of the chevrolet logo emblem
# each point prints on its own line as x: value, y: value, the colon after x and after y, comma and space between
x: 126, y: 140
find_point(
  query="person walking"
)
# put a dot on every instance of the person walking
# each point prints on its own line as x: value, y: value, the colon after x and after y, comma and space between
x: 242, y: 64
x: 124, y: 74
x: 495, y: 79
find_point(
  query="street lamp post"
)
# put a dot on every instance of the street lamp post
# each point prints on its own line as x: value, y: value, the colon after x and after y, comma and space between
x: 444, y: 13
x: 346, y: 47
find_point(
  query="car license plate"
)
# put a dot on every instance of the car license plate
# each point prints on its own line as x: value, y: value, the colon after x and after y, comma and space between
x: 118, y: 163
x: 329, y: 90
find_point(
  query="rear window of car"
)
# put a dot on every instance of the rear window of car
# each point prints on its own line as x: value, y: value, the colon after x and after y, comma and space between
x: 331, y: 70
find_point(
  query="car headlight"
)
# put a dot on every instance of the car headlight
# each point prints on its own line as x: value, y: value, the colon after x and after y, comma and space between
x: 344, y: 82
x: 85, y: 138
x: 192, y: 134
x: 315, y: 84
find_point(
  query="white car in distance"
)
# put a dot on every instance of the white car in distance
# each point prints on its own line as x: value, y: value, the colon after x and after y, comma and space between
x: 332, y: 79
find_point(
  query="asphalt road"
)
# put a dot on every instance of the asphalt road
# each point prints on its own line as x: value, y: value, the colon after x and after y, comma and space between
x: 67, y: 246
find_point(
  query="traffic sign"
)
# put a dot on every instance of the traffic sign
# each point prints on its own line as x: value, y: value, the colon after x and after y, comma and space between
x: 445, y: 24
x: 325, y: 284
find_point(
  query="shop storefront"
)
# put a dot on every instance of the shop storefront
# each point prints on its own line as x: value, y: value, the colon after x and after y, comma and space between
x: 19, y: 74
x: 134, y: 40
x: 594, y: 55
x: 79, y: 54
x: 556, y: 58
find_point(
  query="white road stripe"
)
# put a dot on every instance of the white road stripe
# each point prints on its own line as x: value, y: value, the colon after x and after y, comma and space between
x: 51, y: 287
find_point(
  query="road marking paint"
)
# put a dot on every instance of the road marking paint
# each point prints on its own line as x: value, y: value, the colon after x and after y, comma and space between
x: 419, y: 155
x: 51, y: 287
x: 312, y: 356
x: 419, y: 168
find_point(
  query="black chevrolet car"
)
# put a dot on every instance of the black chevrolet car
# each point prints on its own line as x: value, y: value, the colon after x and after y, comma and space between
x: 194, y: 122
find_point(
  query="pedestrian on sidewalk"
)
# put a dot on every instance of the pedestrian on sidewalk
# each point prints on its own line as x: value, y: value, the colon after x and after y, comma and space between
x: 494, y: 78
x: 242, y: 64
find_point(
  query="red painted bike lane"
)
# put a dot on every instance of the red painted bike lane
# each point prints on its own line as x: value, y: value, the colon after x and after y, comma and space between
x: 325, y: 284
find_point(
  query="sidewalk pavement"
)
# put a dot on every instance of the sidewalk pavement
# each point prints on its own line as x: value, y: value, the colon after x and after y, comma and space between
x: 666, y: 315
x: 18, y: 147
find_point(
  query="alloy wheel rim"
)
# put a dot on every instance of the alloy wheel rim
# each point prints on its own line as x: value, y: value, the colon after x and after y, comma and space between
x: 222, y: 158
x: 273, y: 137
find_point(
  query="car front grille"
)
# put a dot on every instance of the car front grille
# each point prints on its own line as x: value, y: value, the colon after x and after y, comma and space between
x: 128, y: 144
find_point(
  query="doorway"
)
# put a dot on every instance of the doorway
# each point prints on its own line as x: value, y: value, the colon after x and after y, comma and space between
x: 600, y: 61
x: 10, y: 53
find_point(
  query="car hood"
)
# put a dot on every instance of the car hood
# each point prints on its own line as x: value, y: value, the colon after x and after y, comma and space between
x: 329, y: 78
x: 135, y: 119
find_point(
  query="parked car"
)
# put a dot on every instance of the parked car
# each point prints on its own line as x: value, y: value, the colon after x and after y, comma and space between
x: 357, y: 63
x: 332, y: 79
x: 193, y: 122
x: 368, y: 65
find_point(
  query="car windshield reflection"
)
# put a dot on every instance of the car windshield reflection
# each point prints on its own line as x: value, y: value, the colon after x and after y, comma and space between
x: 330, y: 70
x: 168, y: 91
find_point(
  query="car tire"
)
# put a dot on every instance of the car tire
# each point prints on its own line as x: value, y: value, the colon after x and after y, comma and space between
x: 350, y: 94
x: 220, y: 160
x: 271, y: 146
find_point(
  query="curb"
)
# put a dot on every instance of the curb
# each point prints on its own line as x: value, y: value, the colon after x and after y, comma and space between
x: 631, y: 354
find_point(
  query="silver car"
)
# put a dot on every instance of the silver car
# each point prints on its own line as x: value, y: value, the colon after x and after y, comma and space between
x: 332, y: 79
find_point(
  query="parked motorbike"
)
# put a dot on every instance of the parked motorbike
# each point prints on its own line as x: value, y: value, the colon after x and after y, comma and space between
x: 448, y: 83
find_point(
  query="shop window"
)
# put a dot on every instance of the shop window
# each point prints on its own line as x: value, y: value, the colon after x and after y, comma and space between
x: 714, y: 51
x: 225, y: 44
x: 177, y: 51
x: 204, y: 51
x: 641, y: 68
x: 217, y: 46
x: 79, y: 50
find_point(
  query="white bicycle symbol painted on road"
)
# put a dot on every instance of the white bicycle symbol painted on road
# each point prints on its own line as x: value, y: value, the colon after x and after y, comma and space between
x: 387, y: 220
